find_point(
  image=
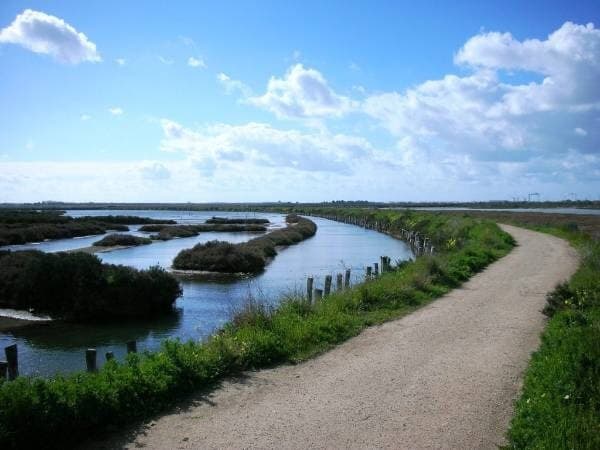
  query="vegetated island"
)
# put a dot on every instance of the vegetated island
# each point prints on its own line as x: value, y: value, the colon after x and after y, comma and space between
x: 79, y: 287
x: 23, y: 226
x: 235, y: 220
x: 247, y: 257
x: 165, y: 233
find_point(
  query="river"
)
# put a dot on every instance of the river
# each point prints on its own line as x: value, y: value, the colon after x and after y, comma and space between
x: 205, y: 305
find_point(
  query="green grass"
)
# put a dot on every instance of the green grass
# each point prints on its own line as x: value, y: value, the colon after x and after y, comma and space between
x: 560, y: 404
x: 62, y: 411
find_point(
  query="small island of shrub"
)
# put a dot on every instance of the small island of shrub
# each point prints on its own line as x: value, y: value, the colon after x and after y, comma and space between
x: 235, y: 220
x: 166, y: 233
x: 78, y: 286
x: 118, y: 239
x: 246, y: 257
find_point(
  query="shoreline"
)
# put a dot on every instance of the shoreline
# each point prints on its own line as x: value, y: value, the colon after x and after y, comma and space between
x: 92, y: 249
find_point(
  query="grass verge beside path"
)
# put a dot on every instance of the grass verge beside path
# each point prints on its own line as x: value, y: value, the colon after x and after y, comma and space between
x: 560, y: 404
x: 64, y: 410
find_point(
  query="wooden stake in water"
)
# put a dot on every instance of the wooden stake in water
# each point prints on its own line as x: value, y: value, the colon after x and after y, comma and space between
x: 382, y: 265
x: 12, y: 358
x: 131, y: 347
x: 327, y: 289
x: 90, y: 359
x: 347, y: 279
x: 3, y: 370
x: 375, y: 269
x: 339, y: 281
x: 369, y: 270
x: 309, y: 289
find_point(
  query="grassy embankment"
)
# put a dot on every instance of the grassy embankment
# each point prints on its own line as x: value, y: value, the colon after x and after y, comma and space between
x: 79, y: 287
x: 245, y: 257
x: 21, y: 227
x: 559, y: 407
x: 64, y: 410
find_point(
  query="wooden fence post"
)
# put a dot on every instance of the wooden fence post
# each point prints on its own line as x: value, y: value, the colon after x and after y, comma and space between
x: 12, y: 358
x: 309, y: 289
x: 327, y: 289
x: 375, y: 269
x: 90, y: 359
x: 382, y: 264
x: 369, y: 269
x: 339, y: 282
x: 318, y: 294
x: 347, y: 279
x: 3, y: 370
x: 131, y: 347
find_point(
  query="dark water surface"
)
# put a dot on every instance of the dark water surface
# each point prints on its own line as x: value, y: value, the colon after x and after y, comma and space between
x: 205, y: 305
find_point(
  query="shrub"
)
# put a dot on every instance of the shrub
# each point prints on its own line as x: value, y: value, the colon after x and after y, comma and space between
x: 122, y: 239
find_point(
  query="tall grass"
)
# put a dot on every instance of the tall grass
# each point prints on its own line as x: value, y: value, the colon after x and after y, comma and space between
x: 61, y: 411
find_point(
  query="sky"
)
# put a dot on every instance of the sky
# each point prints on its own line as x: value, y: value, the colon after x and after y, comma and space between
x: 299, y: 101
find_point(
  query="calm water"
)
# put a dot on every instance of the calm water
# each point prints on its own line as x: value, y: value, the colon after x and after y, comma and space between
x: 205, y: 305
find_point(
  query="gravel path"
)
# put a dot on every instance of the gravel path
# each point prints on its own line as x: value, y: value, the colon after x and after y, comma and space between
x: 445, y: 376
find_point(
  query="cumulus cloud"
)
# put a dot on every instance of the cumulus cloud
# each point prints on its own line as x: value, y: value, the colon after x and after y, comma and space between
x: 50, y: 35
x: 232, y: 86
x: 302, y: 93
x: 116, y: 111
x: 196, y: 62
x: 260, y: 144
x: 492, y: 129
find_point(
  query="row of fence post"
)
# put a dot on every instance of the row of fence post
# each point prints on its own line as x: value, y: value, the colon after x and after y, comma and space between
x: 419, y: 244
x: 10, y: 368
x: 314, y: 294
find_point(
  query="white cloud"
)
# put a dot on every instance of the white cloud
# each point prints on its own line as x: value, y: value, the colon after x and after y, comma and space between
x: 50, y: 35
x: 261, y: 144
x: 196, y: 62
x: 302, y: 93
x: 490, y: 129
x: 116, y: 111
x: 121, y: 61
x: 231, y: 86
x: 85, y: 117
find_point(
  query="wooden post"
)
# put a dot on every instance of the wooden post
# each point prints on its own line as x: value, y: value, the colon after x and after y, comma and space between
x: 90, y: 359
x: 369, y: 269
x: 318, y: 294
x: 3, y: 370
x: 131, y: 347
x: 327, y: 289
x: 375, y: 269
x: 339, y: 281
x: 309, y: 289
x: 347, y: 279
x: 12, y: 358
x: 109, y: 356
x: 382, y: 264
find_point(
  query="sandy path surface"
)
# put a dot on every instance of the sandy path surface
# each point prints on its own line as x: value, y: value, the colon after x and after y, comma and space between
x: 445, y: 376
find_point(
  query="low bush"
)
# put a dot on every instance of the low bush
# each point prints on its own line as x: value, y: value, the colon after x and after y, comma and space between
x: 78, y: 286
x: 122, y: 239
x: 246, y: 257
x: 230, y: 221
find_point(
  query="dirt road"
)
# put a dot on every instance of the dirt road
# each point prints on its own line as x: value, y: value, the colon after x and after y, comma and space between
x: 445, y: 376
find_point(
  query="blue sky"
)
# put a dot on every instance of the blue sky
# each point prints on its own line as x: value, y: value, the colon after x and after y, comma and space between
x: 306, y: 101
